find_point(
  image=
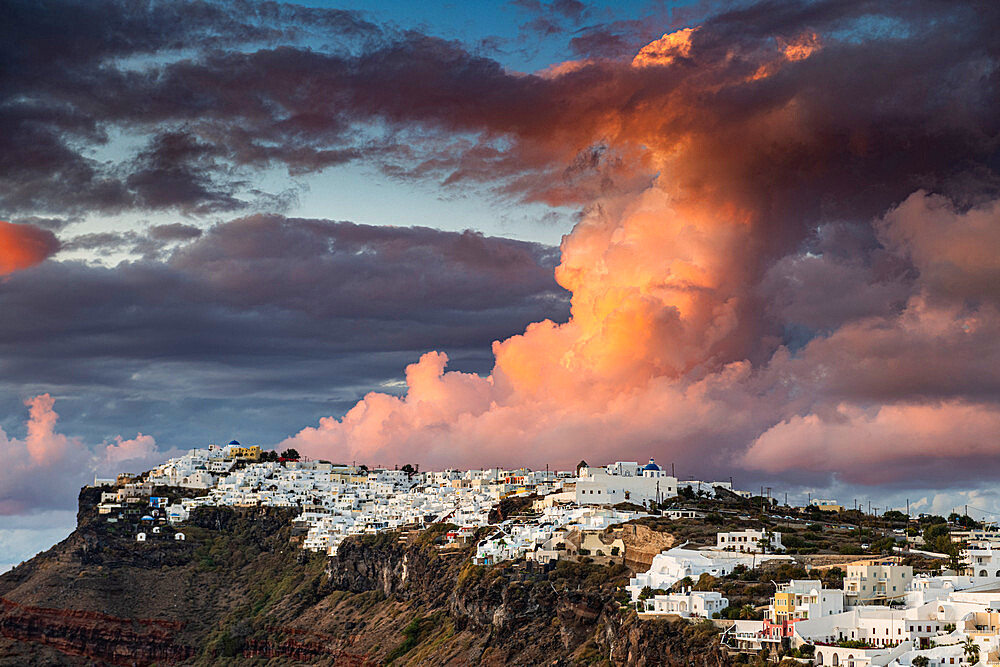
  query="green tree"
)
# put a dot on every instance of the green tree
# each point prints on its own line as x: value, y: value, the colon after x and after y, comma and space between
x: 883, y: 545
x: 290, y: 454
x: 934, y: 531
x: 971, y: 649
x: 921, y: 661
x: 965, y: 521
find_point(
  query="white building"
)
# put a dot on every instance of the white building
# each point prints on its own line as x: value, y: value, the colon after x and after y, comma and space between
x: 681, y: 513
x: 981, y: 560
x: 686, y: 604
x: 539, y: 540
x: 749, y: 541
x: 804, y: 599
x: 672, y: 565
x: 624, y: 481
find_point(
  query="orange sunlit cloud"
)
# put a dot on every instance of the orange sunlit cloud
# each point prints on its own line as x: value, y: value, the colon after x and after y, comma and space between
x: 23, y: 246
x: 662, y: 275
x: 665, y: 50
x: 800, y: 47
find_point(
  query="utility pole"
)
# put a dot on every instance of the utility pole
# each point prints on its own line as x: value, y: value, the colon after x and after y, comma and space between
x: 907, y: 510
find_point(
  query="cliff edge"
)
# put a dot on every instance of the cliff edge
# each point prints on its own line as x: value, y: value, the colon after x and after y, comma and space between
x: 237, y: 588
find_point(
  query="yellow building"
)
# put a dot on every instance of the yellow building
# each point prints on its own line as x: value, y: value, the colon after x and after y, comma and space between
x: 251, y: 453
x: 784, y: 606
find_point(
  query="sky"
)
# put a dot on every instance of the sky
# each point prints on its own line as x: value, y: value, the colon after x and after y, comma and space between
x: 755, y: 239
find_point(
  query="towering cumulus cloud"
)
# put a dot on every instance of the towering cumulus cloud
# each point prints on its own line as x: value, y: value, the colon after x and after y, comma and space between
x: 785, y: 257
x: 45, y: 469
x: 22, y: 246
x: 776, y: 241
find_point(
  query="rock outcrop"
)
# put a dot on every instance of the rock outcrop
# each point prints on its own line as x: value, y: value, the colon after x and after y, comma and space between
x: 239, y: 587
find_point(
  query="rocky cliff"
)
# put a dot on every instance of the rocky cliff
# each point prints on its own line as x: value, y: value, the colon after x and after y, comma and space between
x: 238, y: 588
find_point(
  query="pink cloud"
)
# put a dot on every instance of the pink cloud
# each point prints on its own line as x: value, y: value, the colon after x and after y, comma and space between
x: 45, y: 446
x: 883, y: 444
x: 955, y: 251
x: 47, y: 468
x: 651, y: 361
x: 141, y: 448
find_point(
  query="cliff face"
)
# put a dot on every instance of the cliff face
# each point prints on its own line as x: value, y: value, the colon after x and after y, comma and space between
x: 239, y: 587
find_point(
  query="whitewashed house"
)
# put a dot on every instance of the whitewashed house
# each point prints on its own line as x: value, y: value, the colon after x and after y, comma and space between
x: 686, y: 604
x: 749, y: 541
x: 672, y: 565
x: 624, y: 482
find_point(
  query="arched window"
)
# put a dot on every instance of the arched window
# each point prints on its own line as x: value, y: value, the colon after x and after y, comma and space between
x: 836, y: 659
x: 982, y: 573
x: 819, y: 658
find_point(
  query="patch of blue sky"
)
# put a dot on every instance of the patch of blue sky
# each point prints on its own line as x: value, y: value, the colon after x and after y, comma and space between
x: 365, y: 195
x: 873, y: 27
x: 497, y: 29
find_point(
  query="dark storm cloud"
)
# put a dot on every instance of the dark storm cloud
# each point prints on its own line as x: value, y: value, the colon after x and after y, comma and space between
x: 149, y: 244
x: 269, y: 290
x: 51, y: 224
x: 174, y: 231
x: 551, y: 18
x: 60, y: 62
x: 258, y: 93
x: 176, y: 171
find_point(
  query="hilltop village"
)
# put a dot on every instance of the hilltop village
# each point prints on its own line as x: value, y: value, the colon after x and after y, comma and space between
x: 817, y: 584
